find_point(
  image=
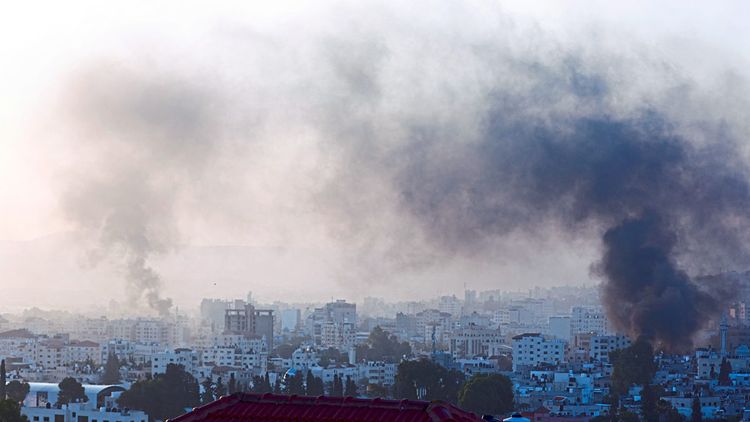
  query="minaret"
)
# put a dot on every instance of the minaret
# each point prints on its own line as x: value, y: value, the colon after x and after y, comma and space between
x: 723, y: 327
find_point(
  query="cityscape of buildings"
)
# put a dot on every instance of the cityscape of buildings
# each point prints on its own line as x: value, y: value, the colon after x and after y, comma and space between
x: 554, y: 344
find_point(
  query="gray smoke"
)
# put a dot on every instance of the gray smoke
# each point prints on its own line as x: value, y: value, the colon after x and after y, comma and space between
x: 439, y: 135
x: 142, y: 139
x: 549, y: 146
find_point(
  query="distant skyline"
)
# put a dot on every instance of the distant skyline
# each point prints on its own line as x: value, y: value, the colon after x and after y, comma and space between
x: 182, y: 150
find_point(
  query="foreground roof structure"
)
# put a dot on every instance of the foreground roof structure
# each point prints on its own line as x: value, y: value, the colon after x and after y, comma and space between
x: 242, y: 407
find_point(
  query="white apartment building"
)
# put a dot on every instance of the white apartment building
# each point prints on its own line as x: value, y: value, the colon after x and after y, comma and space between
x: 327, y: 374
x: 450, y: 305
x: 83, y: 351
x: 304, y: 358
x: 430, y: 318
x: 130, y: 351
x: 240, y: 341
x: 341, y: 336
x: 80, y: 412
x: 50, y: 353
x: 18, y: 343
x: 379, y: 373
x: 589, y: 319
x: 514, y: 315
x: 532, y: 349
x: 474, y: 341
x: 333, y: 325
x: 240, y: 355
x: 93, y: 329
x: 188, y: 358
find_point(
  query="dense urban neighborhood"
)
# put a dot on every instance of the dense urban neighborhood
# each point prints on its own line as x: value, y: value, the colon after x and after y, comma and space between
x: 550, y: 354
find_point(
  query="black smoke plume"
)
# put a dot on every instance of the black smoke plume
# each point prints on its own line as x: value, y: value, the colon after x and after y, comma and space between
x: 656, y: 196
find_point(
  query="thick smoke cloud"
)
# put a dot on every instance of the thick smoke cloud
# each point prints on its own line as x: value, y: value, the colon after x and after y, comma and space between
x: 438, y: 140
x: 657, y: 198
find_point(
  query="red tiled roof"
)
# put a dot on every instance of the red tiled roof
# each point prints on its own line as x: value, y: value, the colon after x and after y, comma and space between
x: 245, y: 407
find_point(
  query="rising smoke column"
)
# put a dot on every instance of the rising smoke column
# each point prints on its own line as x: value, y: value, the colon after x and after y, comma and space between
x: 647, y: 295
x: 142, y: 139
x: 656, y: 197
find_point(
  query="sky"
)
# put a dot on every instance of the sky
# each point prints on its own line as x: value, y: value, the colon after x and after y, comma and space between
x: 179, y: 150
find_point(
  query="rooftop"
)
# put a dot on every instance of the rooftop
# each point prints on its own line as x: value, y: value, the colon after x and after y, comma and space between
x: 242, y: 407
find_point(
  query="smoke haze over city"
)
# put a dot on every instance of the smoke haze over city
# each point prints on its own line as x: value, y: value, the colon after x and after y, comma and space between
x: 154, y: 155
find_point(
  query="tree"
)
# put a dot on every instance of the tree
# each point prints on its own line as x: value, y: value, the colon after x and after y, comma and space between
x: 3, y: 380
x: 313, y: 385
x: 220, y: 390
x: 724, y: 370
x: 329, y: 356
x: 207, y: 396
x: 649, y: 400
x: 350, y: 388
x: 425, y: 380
x: 232, y: 385
x: 632, y: 365
x: 10, y: 411
x: 667, y: 413
x: 382, y: 346
x: 111, y: 373
x: 487, y: 394
x: 374, y: 391
x: 696, y: 414
x: 71, y: 391
x: 276, y: 385
x: 309, y: 383
x: 614, y: 405
x: 165, y: 395
x: 626, y: 416
x: 17, y: 391
x: 267, y: 384
x: 294, y: 385
x: 337, y: 388
x: 261, y: 384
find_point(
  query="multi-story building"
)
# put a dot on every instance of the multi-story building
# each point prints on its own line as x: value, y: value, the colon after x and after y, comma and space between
x: 84, y: 351
x: 589, y: 319
x: 304, y: 358
x: 239, y: 352
x: 379, y: 373
x: 125, y: 350
x: 450, y: 305
x: 341, y: 336
x: 251, y: 322
x: 474, y: 341
x: 432, y: 321
x: 601, y: 346
x: 532, y: 349
x: 333, y: 325
x: 187, y: 358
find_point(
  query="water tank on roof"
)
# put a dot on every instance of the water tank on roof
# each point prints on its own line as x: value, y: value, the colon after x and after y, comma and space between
x: 516, y: 417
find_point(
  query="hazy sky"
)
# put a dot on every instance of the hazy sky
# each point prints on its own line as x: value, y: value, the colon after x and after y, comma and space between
x: 190, y: 149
